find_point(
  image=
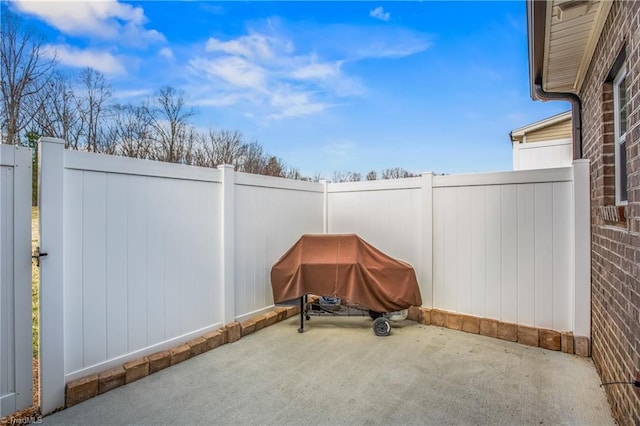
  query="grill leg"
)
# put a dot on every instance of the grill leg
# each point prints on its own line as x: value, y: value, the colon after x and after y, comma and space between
x: 301, y: 329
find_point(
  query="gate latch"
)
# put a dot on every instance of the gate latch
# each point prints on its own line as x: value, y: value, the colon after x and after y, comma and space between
x: 37, y: 254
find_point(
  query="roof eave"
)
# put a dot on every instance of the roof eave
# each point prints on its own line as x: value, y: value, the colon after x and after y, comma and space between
x: 543, y: 23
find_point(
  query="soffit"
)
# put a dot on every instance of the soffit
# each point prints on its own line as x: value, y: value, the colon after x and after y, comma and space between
x: 572, y: 31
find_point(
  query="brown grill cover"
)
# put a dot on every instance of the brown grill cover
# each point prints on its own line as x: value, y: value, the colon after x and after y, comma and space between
x: 347, y: 267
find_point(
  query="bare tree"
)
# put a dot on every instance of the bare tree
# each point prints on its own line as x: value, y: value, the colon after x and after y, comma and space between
x: 317, y: 177
x: 372, y: 175
x: 56, y: 113
x: 338, y: 176
x: 396, y: 173
x: 346, y: 176
x: 129, y: 131
x: 254, y: 160
x: 203, y: 152
x: 187, y: 146
x: 228, y: 147
x: 294, y: 173
x: 24, y: 71
x: 169, y: 121
x: 354, y: 177
x: 92, y: 105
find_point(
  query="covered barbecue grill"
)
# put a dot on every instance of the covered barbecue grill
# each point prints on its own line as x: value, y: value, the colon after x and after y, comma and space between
x: 348, y: 268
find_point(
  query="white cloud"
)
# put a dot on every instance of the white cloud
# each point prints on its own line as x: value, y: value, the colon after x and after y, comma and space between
x: 264, y: 71
x: 266, y: 75
x: 105, y: 19
x: 379, y: 13
x: 166, y: 53
x: 250, y: 46
x: 132, y: 94
x: 233, y: 70
x: 353, y: 43
x: 292, y: 103
x: 384, y: 48
x: 72, y: 56
x: 318, y: 71
x: 218, y: 101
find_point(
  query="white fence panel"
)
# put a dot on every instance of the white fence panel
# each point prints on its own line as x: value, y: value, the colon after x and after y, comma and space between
x: 542, y: 155
x: 501, y: 242
x: 387, y: 214
x: 270, y: 215
x: 146, y: 255
x: 563, y: 237
x: 16, y: 373
x: 140, y: 253
x: 514, y: 239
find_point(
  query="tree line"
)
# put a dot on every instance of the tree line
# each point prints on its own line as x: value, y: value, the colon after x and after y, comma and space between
x: 40, y: 100
x: 391, y: 173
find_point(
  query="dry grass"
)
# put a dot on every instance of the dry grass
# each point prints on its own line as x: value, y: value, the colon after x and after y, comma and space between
x: 35, y: 303
x: 23, y: 417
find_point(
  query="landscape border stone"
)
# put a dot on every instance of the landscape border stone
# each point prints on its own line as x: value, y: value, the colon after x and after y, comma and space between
x: 84, y: 388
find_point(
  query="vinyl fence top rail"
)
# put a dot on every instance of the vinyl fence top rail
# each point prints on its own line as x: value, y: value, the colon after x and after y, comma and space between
x: 377, y: 185
x: 564, y: 174
x: 250, y: 179
x: 89, y: 161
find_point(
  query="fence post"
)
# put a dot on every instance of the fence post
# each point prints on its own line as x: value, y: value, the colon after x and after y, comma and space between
x: 427, y: 240
x: 582, y: 249
x: 50, y: 217
x: 228, y: 260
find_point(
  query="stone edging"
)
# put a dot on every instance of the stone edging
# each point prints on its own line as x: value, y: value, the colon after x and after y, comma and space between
x: 80, y: 390
x: 531, y: 336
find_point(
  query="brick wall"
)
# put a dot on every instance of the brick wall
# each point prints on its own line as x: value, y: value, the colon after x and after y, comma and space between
x: 615, y: 245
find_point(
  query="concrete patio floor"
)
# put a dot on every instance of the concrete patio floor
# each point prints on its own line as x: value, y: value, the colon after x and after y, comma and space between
x: 339, y: 373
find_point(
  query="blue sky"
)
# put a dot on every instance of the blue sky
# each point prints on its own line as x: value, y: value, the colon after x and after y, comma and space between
x: 348, y: 86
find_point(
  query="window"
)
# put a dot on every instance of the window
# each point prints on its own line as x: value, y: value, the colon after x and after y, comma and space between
x: 620, y: 132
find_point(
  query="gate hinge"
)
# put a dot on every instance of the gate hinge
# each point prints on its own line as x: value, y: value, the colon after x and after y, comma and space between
x: 37, y: 254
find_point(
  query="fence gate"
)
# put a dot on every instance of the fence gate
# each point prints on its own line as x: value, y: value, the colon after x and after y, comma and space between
x: 16, y: 371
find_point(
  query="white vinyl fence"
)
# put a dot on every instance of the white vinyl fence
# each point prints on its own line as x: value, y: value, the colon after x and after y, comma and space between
x: 542, y: 155
x: 16, y: 372
x: 144, y: 255
x: 270, y: 215
x: 512, y: 246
